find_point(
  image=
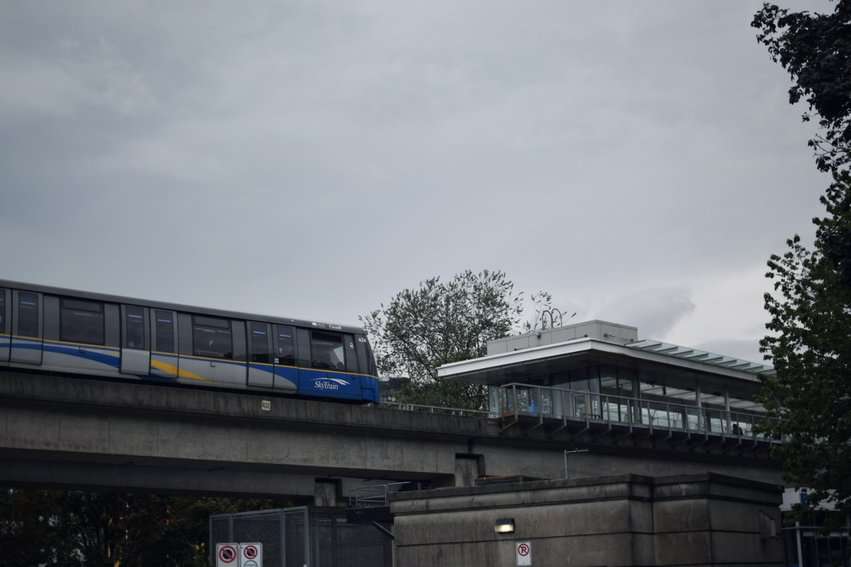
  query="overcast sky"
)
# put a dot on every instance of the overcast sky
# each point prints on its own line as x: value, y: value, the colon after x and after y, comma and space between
x: 309, y: 159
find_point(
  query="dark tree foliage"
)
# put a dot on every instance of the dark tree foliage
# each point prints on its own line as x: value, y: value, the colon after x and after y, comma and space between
x: 441, y: 322
x: 809, y: 340
x: 74, y: 528
x: 816, y: 51
x: 810, y: 346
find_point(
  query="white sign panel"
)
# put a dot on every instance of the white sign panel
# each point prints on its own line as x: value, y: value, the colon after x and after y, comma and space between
x: 523, y: 551
x: 250, y: 555
x: 227, y: 555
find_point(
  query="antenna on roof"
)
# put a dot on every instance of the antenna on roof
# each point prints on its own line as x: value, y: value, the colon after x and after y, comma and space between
x: 555, y: 316
x: 552, y: 312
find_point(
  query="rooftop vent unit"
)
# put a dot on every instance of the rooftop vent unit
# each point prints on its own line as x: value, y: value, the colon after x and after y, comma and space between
x: 594, y: 329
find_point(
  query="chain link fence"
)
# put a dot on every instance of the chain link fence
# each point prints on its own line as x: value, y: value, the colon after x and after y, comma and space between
x: 304, y: 537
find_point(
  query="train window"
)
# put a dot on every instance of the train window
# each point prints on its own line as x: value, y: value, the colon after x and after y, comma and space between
x: 134, y: 327
x: 370, y: 360
x: 258, y: 340
x: 212, y: 337
x: 28, y: 314
x: 285, y: 347
x: 326, y: 351
x: 164, y: 324
x: 81, y: 321
x: 2, y: 309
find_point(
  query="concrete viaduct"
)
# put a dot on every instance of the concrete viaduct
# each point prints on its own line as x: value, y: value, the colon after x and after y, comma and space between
x: 73, y: 431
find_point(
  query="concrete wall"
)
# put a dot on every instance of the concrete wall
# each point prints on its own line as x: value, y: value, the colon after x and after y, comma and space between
x: 593, y: 465
x: 625, y: 520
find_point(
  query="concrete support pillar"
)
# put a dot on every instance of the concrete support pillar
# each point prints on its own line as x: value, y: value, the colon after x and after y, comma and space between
x: 468, y: 467
x: 328, y: 493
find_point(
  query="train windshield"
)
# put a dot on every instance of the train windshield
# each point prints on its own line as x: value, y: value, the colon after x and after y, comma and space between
x: 327, y: 351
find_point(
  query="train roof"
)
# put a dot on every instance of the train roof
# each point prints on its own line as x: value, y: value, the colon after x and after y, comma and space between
x: 108, y: 298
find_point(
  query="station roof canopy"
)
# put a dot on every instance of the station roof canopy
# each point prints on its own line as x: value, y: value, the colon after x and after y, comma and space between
x: 702, y: 357
x: 521, y: 363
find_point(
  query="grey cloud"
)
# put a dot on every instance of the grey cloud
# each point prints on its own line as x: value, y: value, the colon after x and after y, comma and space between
x: 312, y: 158
x: 654, y: 311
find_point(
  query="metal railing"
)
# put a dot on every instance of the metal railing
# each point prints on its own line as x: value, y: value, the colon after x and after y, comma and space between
x: 552, y: 403
x: 812, y: 546
x: 442, y: 410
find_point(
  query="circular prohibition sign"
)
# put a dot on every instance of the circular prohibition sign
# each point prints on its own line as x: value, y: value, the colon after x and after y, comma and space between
x: 523, y: 550
x: 250, y: 552
x: 227, y: 554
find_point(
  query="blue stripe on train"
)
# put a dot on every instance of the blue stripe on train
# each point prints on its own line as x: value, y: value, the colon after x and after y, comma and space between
x: 285, y: 372
x: 309, y: 382
x: 288, y: 373
x: 337, y: 385
x: 326, y: 384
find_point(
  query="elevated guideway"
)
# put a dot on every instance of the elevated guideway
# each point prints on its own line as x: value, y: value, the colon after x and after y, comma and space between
x: 77, y: 431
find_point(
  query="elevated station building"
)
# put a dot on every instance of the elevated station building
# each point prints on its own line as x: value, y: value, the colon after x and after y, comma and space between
x: 599, y: 384
x: 681, y: 422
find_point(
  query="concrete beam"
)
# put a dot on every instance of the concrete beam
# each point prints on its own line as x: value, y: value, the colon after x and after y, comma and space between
x: 67, y: 431
x: 163, y: 478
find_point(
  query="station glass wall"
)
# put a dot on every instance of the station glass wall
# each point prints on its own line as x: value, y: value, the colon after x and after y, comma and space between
x: 612, y: 395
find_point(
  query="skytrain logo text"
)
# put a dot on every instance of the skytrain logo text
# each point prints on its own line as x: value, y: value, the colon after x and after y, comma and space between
x: 329, y: 383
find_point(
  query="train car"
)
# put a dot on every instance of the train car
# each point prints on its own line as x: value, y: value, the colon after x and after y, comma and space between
x: 67, y: 331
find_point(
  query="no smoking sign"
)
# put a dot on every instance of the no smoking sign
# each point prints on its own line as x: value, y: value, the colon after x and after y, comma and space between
x: 239, y: 555
x: 251, y: 555
x: 226, y: 555
x: 523, y: 552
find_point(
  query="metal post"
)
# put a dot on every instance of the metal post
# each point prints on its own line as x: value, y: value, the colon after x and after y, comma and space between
x: 650, y: 417
x: 699, y: 408
x: 798, y: 541
x: 727, y: 411
x: 307, y: 550
x: 540, y: 395
x: 283, y: 516
x: 572, y: 404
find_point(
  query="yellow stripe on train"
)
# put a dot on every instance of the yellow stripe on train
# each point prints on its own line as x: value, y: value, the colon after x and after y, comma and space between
x: 173, y: 370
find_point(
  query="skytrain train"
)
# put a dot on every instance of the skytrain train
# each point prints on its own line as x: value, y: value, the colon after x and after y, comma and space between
x: 67, y: 331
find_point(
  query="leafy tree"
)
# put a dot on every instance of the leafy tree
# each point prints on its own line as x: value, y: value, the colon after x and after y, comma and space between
x: 809, y: 395
x: 438, y: 323
x: 810, y: 346
x: 72, y: 528
x: 816, y: 51
x: 29, y: 533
